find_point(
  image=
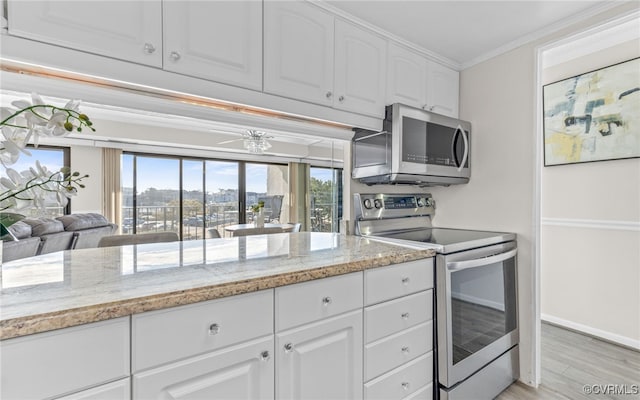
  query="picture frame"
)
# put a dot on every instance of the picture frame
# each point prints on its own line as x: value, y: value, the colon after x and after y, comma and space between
x: 594, y: 116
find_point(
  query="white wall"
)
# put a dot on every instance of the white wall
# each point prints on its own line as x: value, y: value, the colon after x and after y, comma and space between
x: 590, y: 254
x: 87, y: 160
x: 498, y: 96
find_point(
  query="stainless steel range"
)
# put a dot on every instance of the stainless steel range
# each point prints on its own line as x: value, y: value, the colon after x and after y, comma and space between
x: 476, y: 330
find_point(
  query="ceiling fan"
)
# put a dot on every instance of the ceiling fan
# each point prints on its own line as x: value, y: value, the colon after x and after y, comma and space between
x: 256, y: 142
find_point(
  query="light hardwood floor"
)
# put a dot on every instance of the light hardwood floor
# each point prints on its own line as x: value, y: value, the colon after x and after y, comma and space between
x: 571, y: 360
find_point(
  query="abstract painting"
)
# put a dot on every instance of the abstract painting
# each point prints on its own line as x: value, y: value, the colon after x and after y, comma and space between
x: 594, y: 116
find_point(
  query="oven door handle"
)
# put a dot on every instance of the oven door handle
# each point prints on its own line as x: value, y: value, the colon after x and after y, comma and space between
x: 480, y: 262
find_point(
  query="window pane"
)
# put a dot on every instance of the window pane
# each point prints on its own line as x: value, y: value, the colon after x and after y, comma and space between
x: 53, y: 160
x: 193, y: 217
x: 326, y: 199
x: 268, y: 183
x: 158, y: 194
x: 126, y: 180
x: 222, y: 196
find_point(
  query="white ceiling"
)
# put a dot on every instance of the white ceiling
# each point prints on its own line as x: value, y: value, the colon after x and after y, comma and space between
x: 466, y: 32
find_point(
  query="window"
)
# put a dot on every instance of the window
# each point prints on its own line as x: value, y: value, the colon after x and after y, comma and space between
x: 53, y: 158
x: 194, y: 197
x: 326, y: 199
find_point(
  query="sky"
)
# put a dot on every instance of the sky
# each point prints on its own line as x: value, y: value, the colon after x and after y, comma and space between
x: 52, y: 159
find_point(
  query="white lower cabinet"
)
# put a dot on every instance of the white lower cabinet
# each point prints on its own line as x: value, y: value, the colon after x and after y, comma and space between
x: 398, y: 332
x: 119, y: 390
x: 322, y: 360
x: 65, y: 361
x: 243, y: 371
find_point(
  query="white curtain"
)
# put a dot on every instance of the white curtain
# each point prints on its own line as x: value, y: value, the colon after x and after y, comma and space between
x: 112, y: 191
x: 299, y: 201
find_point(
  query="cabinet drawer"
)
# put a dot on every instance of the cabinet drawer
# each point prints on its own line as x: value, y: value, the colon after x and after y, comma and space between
x: 119, y: 390
x: 310, y: 301
x: 68, y: 360
x: 163, y: 336
x: 401, y: 382
x: 393, y: 316
x: 397, y: 280
x: 424, y: 393
x: 244, y: 371
x: 393, y: 351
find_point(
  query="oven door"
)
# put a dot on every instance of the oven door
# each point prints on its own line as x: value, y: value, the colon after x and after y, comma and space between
x: 477, y: 318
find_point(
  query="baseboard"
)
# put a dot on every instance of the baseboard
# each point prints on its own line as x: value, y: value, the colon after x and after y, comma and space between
x: 598, y: 333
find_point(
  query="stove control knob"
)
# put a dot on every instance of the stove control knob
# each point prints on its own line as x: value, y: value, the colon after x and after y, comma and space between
x: 377, y: 203
x: 422, y: 202
x: 367, y: 204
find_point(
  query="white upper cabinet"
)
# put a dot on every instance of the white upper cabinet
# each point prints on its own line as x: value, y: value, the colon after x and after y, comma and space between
x: 406, y: 77
x: 216, y: 40
x: 127, y: 30
x: 442, y: 90
x: 416, y: 81
x: 298, y: 51
x: 360, y: 70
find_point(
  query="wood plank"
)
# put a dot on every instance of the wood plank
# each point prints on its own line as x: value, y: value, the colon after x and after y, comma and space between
x: 570, y: 360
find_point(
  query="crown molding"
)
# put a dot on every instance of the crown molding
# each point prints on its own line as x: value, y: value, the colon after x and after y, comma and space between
x: 545, y: 31
x: 388, y: 35
x: 540, y: 33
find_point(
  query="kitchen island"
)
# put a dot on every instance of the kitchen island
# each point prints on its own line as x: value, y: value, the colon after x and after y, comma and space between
x: 70, y: 288
x: 210, y: 316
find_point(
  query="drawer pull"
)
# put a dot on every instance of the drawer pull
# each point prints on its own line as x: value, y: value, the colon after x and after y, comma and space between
x: 288, y: 348
x: 405, y: 315
x: 214, y: 329
x: 405, y: 349
x: 405, y: 385
x: 326, y: 301
x: 265, y: 356
x: 405, y: 280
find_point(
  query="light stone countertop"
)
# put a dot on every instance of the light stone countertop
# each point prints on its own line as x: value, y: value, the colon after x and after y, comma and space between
x: 76, y: 287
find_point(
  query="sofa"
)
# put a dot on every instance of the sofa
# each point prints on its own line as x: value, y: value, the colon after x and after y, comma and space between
x: 46, y: 235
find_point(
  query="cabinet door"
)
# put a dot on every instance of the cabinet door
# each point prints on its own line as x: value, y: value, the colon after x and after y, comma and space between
x: 406, y: 77
x: 322, y: 360
x: 298, y: 51
x: 442, y: 90
x: 361, y: 61
x: 240, y: 372
x: 217, y: 40
x: 128, y: 30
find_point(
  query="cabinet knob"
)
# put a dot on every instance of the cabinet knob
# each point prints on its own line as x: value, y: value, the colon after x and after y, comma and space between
x: 405, y: 280
x: 405, y: 315
x: 265, y: 356
x: 326, y: 301
x: 149, y: 48
x: 288, y: 348
x: 405, y: 349
x: 329, y: 94
x: 175, y: 56
x: 341, y: 98
x: 214, y: 329
x: 406, y: 386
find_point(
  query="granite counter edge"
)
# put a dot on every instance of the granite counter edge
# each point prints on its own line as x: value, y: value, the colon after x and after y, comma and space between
x: 37, y: 323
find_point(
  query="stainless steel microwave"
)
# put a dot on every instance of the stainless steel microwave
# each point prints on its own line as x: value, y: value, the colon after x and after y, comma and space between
x: 415, y: 147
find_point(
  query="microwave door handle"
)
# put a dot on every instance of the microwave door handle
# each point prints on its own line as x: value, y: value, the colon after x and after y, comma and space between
x: 480, y: 262
x: 466, y: 148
